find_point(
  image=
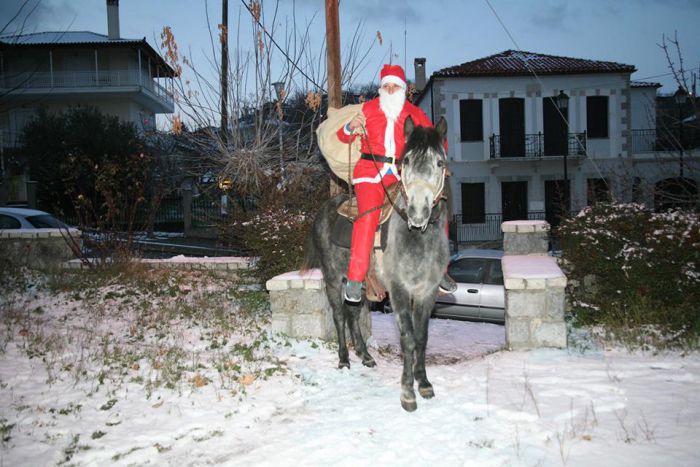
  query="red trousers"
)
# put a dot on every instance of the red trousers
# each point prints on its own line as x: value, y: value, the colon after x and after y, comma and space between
x: 368, y: 195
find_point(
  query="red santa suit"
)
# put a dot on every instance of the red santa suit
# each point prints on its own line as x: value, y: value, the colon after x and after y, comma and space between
x: 384, y: 137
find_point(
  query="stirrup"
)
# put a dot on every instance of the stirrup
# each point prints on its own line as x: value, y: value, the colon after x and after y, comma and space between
x: 447, y: 284
x: 352, y: 291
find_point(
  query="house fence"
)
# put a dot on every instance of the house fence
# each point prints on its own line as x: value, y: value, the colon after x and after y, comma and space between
x: 487, y: 231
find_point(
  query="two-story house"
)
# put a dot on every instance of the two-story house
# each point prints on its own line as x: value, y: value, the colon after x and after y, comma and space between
x: 58, y: 70
x: 534, y: 136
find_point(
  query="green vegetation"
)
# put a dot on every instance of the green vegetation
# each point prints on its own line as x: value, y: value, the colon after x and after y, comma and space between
x: 636, y: 273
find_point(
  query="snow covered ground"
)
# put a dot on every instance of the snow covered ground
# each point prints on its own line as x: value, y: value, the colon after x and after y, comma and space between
x: 492, y: 407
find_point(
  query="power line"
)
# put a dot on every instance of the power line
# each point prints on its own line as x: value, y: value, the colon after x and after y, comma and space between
x: 566, y: 120
x: 294, y: 64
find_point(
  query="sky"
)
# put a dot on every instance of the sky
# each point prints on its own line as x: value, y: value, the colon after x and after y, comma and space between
x: 445, y: 32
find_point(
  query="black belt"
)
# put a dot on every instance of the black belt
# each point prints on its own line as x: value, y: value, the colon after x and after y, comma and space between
x: 384, y: 159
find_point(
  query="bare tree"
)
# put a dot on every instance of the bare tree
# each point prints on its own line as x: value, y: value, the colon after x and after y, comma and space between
x: 275, y: 95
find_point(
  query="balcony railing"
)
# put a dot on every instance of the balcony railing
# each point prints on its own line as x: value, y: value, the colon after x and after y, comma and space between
x: 536, y: 145
x: 664, y: 140
x: 643, y: 141
x: 83, y: 79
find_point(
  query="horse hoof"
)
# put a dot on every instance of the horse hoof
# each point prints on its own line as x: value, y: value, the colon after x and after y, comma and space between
x: 426, y: 392
x: 369, y: 362
x: 342, y: 365
x: 409, y: 405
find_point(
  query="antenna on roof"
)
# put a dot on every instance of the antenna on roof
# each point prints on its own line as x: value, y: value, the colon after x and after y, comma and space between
x: 404, y: 42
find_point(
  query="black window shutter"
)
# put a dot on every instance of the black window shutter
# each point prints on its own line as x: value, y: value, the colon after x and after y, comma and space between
x: 597, y: 116
x: 471, y: 120
x: 473, y: 206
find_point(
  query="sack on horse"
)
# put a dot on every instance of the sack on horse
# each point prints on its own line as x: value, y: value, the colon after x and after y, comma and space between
x: 335, y: 151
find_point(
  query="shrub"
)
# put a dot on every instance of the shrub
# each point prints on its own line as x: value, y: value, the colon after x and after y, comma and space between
x: 630, y: 267
x: 276, y: 230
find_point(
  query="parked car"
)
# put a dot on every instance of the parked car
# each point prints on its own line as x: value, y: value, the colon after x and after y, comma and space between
x: 480, y: 294
x: 23, y: 218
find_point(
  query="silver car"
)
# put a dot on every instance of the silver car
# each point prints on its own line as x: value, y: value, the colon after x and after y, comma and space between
x: 24, y: 218
x: 480, y: 294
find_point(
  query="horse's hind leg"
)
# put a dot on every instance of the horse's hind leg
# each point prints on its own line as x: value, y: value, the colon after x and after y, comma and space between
x: 402, y: 309
x: 339, y: 315
x: 421, y: 320
x: 355, y: 312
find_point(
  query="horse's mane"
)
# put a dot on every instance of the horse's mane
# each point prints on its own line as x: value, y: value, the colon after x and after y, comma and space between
x: 423, y: 138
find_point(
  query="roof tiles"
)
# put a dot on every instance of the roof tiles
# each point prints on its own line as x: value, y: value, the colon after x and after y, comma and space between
x: 516, y: 63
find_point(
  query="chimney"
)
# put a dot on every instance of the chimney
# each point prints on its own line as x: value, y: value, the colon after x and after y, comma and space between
x: 113, y: 19
x: 419, y: 65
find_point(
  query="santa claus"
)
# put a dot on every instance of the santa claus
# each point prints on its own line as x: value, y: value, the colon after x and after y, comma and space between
x: 380, y: 127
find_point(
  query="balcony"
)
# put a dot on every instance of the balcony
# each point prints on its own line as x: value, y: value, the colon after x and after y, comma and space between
x: 536, y: 146
x: 658, y: 140
x: 86, y: 82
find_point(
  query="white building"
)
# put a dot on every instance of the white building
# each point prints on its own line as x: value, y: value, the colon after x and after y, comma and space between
x: 518, y: 151
x: 122, y: 77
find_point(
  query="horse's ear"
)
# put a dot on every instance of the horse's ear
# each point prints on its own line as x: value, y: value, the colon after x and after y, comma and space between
x: 408, y: 127
x: 441, y: 127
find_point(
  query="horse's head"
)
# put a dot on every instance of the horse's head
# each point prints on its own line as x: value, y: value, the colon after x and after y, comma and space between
x: 424, y: 165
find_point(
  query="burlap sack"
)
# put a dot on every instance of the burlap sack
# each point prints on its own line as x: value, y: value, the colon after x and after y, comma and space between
x: 335, y: 151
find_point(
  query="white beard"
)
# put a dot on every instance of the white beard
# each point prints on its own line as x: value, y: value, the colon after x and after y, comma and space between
x: 391, y: 104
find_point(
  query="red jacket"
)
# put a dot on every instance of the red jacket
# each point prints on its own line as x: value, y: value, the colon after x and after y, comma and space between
x: 373, y: 143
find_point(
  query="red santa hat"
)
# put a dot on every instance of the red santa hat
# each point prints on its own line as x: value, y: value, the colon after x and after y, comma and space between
x: 393, y: 74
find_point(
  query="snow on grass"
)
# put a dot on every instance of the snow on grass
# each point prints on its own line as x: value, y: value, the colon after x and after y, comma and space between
x: 176, y: 368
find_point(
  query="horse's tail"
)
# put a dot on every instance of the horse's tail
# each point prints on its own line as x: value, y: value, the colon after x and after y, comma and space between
x: 312, y: 258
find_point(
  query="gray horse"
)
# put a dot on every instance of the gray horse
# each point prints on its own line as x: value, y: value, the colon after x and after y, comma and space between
x: 414, y: 259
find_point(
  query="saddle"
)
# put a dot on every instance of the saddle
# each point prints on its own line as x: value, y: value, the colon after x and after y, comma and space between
x: 342, y: 237
x: 349, y: 209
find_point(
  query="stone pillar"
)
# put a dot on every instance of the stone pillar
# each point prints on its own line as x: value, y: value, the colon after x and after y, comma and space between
x: 187, y: 209
x: 31, y: 193
x: 300, y: 307
x: 525, y: 237
x: 534, y: 288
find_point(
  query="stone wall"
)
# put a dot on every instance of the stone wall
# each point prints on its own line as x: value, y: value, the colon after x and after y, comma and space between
x: 38, y: 248
x: 300, y: 307
x: 534, y: 287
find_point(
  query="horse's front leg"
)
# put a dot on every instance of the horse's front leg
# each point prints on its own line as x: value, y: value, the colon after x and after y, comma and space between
x: 421, y: 319
x: 358, y: 340
x: 401, y: 304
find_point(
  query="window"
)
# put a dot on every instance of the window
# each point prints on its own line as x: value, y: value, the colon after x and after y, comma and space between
x: 469, y: 270
x: 7, y: 222
x: 495, y: 274
x: 597, y: 191
x: 470, y: 120
x: 45, y: 222
x: 473, y: 211
x: 597, y: 116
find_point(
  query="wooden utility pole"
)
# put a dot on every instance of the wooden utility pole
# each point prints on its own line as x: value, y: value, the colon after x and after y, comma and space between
x: 335, y: 98
x: 224, y: 69
x: 333, y: 54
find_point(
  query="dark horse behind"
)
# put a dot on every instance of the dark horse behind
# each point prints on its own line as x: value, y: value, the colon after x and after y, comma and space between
x: 414, y: 259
